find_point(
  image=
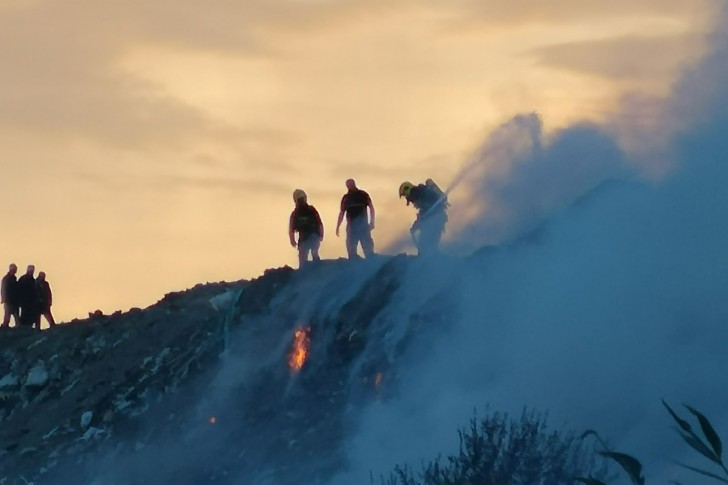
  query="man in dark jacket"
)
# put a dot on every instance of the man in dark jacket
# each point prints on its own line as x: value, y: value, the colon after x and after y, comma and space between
x: 354, y: 205
x: 44, y: 300
x: 10, y: 296
x: 431, y: 204
x: 27, y: 298
x: 306, y: 221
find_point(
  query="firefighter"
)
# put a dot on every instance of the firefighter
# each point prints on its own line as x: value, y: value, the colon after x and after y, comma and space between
x: 431, y: 204
x: 306, y: 221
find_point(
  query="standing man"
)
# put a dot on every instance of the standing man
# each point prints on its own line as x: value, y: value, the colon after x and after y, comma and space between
x: 10, y: 296
x: 305, y: 220
x: 358, y: 227
x: 44, y: 300
x: 27, y: 298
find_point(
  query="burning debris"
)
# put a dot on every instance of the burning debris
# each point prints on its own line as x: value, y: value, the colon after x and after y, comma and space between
x: 300, y: 349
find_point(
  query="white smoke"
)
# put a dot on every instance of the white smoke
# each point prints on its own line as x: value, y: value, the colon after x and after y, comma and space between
x: 615, y: 302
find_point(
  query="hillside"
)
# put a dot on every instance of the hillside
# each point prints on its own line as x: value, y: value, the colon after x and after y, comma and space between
x: 182, y: 392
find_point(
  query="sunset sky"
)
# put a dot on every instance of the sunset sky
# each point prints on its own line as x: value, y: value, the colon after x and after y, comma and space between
x: 149, y: 146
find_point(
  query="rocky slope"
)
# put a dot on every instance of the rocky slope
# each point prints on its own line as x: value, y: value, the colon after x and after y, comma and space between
x: 246, y: 382
x: 65, y: 390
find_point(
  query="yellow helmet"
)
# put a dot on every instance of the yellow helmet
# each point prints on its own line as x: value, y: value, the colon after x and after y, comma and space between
x: 298, y: 194
x: 405, y: 189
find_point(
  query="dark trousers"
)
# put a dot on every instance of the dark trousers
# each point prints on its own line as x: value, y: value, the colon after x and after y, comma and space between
x: 45, y: 312
x: 11, y: 310
x: 358, y: 232
x: 29, y: 315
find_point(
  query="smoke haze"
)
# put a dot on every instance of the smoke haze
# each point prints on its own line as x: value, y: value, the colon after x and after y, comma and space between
x: 607, y: 294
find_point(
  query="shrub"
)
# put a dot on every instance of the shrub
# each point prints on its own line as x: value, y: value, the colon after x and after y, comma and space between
x: 498, y: 450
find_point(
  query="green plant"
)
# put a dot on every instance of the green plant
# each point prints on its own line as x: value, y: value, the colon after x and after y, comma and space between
x: 709, y: 445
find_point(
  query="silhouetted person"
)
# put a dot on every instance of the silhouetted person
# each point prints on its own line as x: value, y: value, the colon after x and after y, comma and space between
x: 10, y: 296
x: 305, y: 220
x: 431, y: 204
x: 44, y: 300
x: 27, y: 298
x: 358, y: 227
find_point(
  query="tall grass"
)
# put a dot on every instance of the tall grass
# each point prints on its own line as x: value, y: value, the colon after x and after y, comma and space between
x: 706, y: 442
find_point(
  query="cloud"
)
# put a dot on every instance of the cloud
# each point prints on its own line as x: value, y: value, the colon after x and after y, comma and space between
x: 497, y: 14
x: 60, y: 80
x: 172, y: 182
x: 166, y: 183
x: 64, y: 78
x: 622, y: 58
x: 386, y: 171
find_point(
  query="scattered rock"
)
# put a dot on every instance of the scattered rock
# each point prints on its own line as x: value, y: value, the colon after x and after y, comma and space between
x: 9, y: 381
x: 38, y: 376
x: 86, y: 419
x: 50, y: 433
x: 30, y: 449
x: 92, y: 433
x: 223, y: 301
x: 93, y: 380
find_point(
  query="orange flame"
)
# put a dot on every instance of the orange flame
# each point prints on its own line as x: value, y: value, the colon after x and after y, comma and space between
x: 300, y: 350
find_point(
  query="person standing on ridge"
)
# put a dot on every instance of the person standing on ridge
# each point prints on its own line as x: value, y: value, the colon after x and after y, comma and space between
x: 10, y: 296
x: 431, y: 204
x: 27, y: 298
x: 358, y: 227
x: 44, y: 300
x: 305, y: 220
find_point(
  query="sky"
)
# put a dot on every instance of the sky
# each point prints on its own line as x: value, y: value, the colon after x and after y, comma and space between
x: 146, y: 147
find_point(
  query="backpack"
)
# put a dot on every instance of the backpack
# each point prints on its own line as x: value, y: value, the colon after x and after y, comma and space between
x: 425, y: 197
